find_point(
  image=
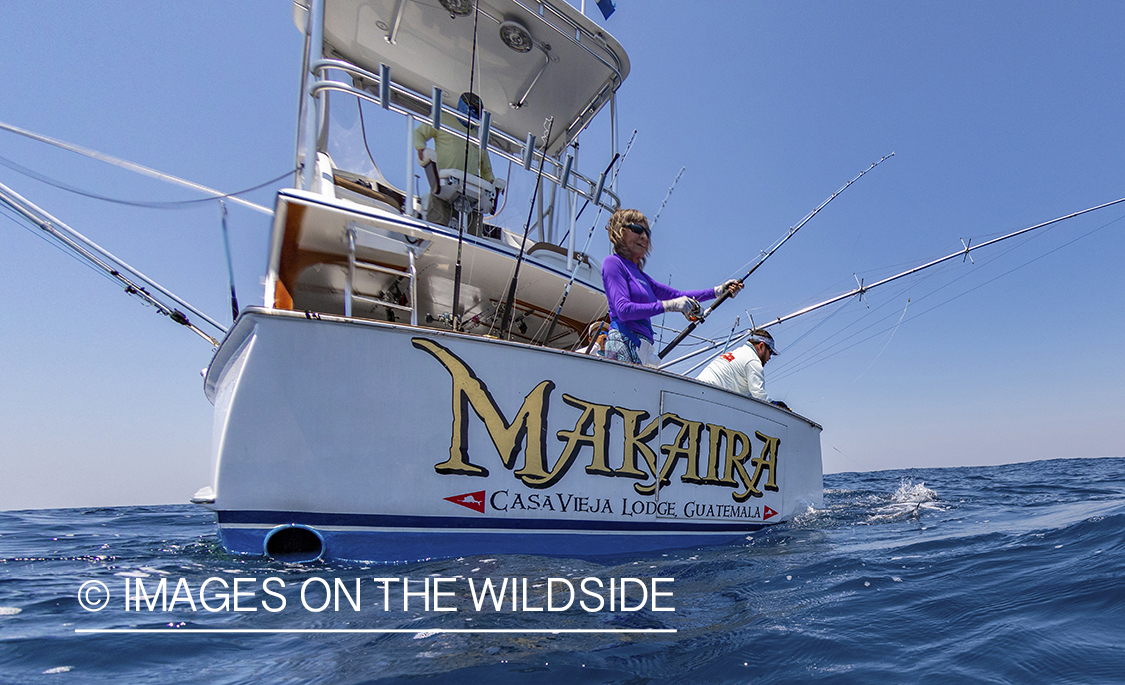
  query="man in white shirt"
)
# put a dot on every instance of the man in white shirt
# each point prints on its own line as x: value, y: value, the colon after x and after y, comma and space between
x: 741, y: 370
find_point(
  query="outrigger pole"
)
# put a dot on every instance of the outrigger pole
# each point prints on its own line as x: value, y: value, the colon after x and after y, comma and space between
x: 761, y: 260
x: 111, y: 265
x: 862, y: 289
x: 960, y: 253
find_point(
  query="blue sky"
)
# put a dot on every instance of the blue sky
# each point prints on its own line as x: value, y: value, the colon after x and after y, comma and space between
x: 1000, y: 114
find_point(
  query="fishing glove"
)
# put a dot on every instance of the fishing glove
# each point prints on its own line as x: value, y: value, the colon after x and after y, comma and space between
x: 727, y: 286
x: 682, y: 304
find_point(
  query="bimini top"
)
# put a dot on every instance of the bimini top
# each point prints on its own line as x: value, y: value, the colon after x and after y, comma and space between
x: 533, y: 59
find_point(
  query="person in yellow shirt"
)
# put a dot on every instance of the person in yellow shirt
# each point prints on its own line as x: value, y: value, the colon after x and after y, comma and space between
x: 450, y: 153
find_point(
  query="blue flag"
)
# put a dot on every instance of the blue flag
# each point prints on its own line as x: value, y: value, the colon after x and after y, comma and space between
x: 607, y: 7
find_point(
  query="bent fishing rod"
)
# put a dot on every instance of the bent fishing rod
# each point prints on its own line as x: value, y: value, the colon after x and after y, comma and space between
x: 725, y: 295
x: 863, y: 289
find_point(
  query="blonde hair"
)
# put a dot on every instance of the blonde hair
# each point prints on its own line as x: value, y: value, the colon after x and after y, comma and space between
x: 616, y: 229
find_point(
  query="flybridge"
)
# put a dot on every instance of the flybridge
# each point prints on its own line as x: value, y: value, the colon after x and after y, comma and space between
x: 533, y: 62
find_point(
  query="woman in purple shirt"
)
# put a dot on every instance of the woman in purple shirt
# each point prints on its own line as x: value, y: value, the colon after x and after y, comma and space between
x: 634, y: 297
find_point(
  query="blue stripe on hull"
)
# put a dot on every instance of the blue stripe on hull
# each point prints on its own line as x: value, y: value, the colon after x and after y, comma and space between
x: 401, y: 538
x: 398, y: 546
x: 425, y: 523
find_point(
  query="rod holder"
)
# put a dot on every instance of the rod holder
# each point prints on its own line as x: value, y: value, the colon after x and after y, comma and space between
x: 435, y: 108
x: 599, y: 189
x: 384, y: 86
x: 485, y: 129
x: 528, y: 151
x: 566, y: 170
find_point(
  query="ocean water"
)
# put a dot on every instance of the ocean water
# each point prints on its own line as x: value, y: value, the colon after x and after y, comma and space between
x: 1001, y: 574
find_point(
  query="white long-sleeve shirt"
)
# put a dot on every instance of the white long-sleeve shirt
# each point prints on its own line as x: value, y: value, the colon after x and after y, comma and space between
x: 739, y: 370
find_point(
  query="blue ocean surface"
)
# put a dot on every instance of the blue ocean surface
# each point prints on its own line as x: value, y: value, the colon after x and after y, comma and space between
x: 999, y: 574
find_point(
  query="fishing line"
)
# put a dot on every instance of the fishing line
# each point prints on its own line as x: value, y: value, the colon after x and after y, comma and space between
x: 50, y: 239
x: 831, y: 351
x: 885, y: 345
x: 1015, y: 268
x: 865, y: 315
x: 179, y: 204
x: 815, y: 355
x: 137, y: 168
x: 820, y: 323
x: 944, y: 302
x: 847, y: 457
x: 59, y: 244
x: 123, y: 277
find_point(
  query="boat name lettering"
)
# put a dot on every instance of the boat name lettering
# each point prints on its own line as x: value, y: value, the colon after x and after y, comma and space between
x: 728, y: 451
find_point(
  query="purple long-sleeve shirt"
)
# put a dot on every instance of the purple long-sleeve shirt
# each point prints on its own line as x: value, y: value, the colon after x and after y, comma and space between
x: 634, y: 297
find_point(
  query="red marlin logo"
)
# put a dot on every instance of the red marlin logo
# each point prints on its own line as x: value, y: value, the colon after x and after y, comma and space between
x: 766, y: 515
x: 472, y: 500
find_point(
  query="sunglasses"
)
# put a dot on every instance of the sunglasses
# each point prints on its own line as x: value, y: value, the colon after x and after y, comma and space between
x: 638, y: 229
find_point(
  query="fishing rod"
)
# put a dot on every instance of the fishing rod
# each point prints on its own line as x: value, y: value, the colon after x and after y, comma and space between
x: 668, y: 195
x: 589, y: 235
x: 230, y: 264
x: 723, y: 296
x: 578, y: 262
x: 731, y: 335
x: 464, y: 216
x: 106, y: 262
x: 509, y: 299
x: 963, y: 253
x: 601, y: 184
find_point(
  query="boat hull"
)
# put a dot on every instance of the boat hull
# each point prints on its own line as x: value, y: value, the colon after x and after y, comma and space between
x: 361, y: 440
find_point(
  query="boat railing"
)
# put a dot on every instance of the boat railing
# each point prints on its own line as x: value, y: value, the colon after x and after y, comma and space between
x: 410, y: 272
x: 553, y: 170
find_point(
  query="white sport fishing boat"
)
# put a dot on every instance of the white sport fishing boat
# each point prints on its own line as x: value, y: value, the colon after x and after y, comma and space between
x: 407, y: 389
x: 377, y: 408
